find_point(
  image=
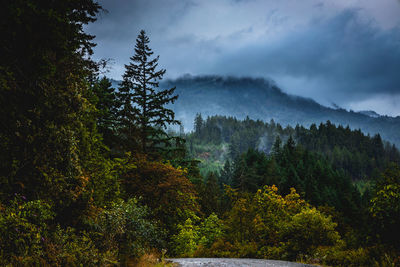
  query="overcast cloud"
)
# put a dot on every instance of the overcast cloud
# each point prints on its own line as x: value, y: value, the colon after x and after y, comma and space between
x: 335, y: 51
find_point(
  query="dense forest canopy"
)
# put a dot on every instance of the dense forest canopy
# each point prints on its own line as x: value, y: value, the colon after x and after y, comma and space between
x: 90, y: 174
x: 263, y: 99
x: 359, y: 155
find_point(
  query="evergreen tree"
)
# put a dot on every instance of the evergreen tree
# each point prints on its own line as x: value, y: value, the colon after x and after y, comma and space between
x: 46, y: 120
x: 143, y: 114
x: 210, y: 195
x: 226, y: 174
x: 106, y: 104
x: 276, y: 148
x: 272, y: 173
x: 385, y: 207
x: 198, y: 124
x: 290, y: 144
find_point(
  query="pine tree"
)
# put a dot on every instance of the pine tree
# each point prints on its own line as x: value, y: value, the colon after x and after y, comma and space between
x: 198, y: 124
x: 210, y: 195
x: 143, y: 114
x: 226, y: 174
x: 276, y: 148
x: 50, y: 149
x: 290, y: 144
x: 106, y: 105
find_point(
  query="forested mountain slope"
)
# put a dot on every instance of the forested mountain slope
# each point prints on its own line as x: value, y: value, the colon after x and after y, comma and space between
x: 359, y: 155
x: 262, y: 99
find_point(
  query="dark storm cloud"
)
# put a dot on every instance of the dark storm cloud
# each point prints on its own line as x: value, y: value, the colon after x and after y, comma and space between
x: 346, y: 54
x: 332, y: 50
x: 122, y: 19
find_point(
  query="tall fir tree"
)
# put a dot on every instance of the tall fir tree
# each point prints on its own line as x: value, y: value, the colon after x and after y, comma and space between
x: 106, y: 105
x: 276, y: 148
x: 210, y: 195
x: 198, y: 124
x: 50, y: 149
x: 143, y: 113
x: 226, y: 174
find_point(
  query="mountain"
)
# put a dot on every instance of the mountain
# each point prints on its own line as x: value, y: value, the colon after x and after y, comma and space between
x: 370, y: 113
x: 262, y: 99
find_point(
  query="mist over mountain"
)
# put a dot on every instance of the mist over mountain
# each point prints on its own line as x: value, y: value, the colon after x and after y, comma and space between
x: 262, y: 99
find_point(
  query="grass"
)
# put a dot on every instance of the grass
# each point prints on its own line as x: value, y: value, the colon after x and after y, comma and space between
x: 151, y: 260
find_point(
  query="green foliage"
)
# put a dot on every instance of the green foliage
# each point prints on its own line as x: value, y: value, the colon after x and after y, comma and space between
x: 68, y: 247
x: 106, y: 103
x: 357, y: 154
x: 23, y: 227
x: 27, y: 238
x: 196, y: 239
x: 210, y: 230
x: 43, y: 97
x: 269, y: 225
x: 210, y: 195
x: 293, y: 166
x: 198, y: 124
x: 308, y: 230
x: 53, y: 105
x: 211, y: 156
x: 186, y: 241
x: 126, y: 227
x: 340, y: 256
x: 143, y: 113
x: 385, y: 207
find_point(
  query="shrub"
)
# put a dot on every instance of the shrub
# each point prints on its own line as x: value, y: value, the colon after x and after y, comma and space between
x: 126, y: 226
x: 23, y: 228
x: 195, y: 240
x: 210, y: 230
x: 307, y: 230
x: 185, y: 242
x: 27, y: 237
x: 163, y: 188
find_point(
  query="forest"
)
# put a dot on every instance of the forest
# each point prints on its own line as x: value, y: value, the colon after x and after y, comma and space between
x: 94, y: 175
x: 263, y: 99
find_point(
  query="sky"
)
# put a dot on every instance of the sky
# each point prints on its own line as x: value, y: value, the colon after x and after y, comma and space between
x: 337, y: 52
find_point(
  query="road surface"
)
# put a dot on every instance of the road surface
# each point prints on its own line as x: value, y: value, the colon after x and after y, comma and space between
x: 230, y: 262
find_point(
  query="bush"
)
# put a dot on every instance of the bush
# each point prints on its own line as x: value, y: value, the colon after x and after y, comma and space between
x: 163, y: 188
x: 307, y: 230
x: 23, y: 228
x: 339, y: 256
x: 210, y: 230
x: 126, y: 227
x: 68, y: 247
x: 185, y: 242
x: 27, y: 237
x: 193, y: 240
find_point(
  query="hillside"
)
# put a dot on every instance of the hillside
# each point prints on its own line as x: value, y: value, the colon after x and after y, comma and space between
x: 264, y: 100
x: 220, y: 138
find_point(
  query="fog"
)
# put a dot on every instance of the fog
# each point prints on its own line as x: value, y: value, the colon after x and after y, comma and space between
x: 334, y: 51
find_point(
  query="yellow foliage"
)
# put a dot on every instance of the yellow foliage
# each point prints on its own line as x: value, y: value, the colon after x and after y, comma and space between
x: 280, y: 227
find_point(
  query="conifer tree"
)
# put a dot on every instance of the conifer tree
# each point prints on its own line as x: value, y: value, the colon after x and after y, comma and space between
x: 43, y: 85
x: 276, y: 148
x: 143, y: 113
x: 198, y: 124
x: 50, y: 149
x: 210, y: 195
x: 106, y: 105
x: 226, y: 174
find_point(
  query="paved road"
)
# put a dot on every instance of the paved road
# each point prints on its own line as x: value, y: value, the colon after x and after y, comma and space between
x: 211, y: 262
